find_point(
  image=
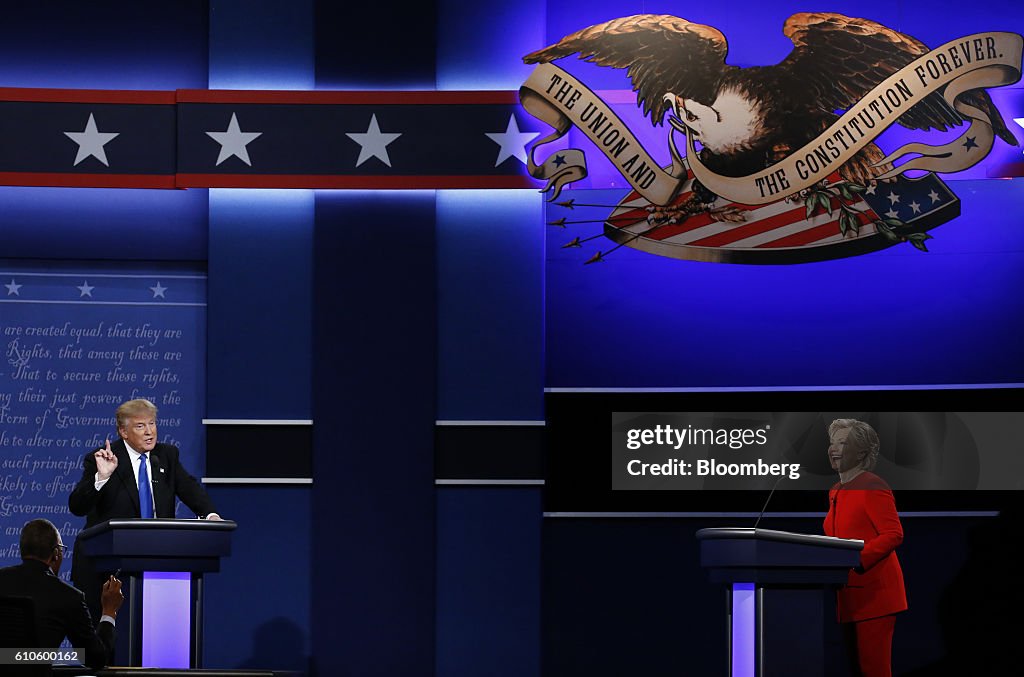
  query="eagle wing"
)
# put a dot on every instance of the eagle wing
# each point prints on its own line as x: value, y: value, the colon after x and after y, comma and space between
x: 838, y: 59
x: 661, y: 54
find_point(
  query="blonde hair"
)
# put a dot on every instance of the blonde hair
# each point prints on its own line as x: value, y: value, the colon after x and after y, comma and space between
x: 134, y: 408
x: 862, y: 435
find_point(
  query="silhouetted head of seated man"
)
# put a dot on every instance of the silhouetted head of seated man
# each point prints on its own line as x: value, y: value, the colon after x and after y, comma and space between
x: 60, y: 609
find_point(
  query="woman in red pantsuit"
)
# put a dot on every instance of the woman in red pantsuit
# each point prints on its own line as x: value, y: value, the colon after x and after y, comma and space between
x: 861, y: 505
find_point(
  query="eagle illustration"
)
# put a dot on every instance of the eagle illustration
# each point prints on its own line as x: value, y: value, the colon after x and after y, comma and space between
x: 747, y: 119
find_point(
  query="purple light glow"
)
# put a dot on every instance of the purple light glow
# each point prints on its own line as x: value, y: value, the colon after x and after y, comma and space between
x: 744, y: 629
x: 166, y: 624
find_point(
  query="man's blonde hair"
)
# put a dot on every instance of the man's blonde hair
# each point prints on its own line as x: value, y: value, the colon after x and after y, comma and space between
x: 139, y: 408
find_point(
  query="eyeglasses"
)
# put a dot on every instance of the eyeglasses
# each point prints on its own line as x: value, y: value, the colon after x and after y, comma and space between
x: 63, y: 549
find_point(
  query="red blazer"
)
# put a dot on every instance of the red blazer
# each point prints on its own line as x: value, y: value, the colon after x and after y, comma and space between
x: 864, y: 508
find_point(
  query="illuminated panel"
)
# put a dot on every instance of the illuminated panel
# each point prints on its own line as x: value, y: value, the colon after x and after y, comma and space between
x: 166, y: 624
x: 744, y: 629
x: 470, y: 28
x: 490, y: 260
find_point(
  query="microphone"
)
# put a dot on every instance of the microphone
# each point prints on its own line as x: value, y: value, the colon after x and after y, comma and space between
x: 770, y: 493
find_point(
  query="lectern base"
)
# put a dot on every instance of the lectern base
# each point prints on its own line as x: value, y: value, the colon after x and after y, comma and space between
x: 776, y: 632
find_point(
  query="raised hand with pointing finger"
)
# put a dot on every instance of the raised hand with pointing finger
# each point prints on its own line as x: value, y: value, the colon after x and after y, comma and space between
x: 106, y: 462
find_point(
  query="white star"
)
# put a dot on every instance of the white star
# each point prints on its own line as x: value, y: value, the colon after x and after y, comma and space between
x: 893, y: 197
x: 870, y: 190
x: 373, y: 143
x: 512, y: 142
x: 1019, y: 121
x: 233, y: 141
x: 91, y: 141
x: 85, y: 289
x: 915, y: 207
x: 13, y: 288
x: 934, y: 196
x: 158, y: 290
x: 892, y: 214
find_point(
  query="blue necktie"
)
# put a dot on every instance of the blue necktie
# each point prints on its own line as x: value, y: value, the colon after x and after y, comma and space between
x: 145, y: 493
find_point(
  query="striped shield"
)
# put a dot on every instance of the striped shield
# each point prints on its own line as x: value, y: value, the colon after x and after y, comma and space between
x: 793, y: 230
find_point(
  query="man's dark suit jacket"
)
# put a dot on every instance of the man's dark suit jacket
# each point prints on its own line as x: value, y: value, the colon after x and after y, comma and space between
x: 60, y: 611
x: 119, y: 497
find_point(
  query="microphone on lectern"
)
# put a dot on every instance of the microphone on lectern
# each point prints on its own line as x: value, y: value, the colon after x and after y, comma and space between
x: 770, y: 493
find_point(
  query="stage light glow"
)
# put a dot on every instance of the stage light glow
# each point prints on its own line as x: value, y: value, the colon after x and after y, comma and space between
x: 744, y: 630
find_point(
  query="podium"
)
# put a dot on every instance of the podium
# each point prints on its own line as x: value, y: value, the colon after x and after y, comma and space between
x: 165, y: 560
x: 750, y: 561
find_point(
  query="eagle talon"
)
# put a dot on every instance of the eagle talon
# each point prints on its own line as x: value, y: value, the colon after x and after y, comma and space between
x: 728, y: 214
x: 659, y: 216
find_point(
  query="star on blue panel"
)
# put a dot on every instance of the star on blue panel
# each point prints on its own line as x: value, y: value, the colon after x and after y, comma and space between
x: 373, y: 143
x: 511, y: 142
x: 233, y: 142
x: 91, y: 142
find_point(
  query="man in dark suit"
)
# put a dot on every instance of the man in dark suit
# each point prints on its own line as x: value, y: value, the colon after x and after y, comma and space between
x: 60, y: 609
x: 136, y: 476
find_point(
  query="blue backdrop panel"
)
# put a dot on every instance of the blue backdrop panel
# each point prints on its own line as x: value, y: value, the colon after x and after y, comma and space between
x: 465, y: 29
x: 490, y: 251
x: 257, y: 606
x: 898, y: 316
x: 75, y: 344
x: 261, y: 45
x: 260, y: 276
x: 374, y: 403
x: 375, y: 46
x: 58, y: 223
x: 488, y: 582
x: 119, y: 44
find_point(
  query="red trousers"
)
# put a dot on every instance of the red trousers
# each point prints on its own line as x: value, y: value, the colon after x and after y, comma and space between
x: 869, y: 646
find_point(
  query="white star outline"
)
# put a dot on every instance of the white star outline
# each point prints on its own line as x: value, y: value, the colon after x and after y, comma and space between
x: 373, y: 142
x: 158, y: 290
x: 91, y: 142
x: 233, y: 141
x: 511, y: 142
